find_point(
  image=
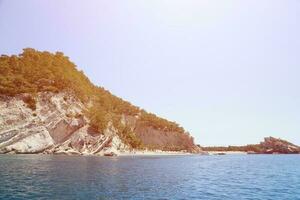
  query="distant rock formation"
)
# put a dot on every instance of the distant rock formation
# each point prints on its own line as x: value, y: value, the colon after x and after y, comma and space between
x: 272, y: 145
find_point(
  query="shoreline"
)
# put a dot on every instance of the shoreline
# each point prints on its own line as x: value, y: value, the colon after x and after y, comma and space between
x: 116, y: 154
x: 227, y: 152
x: 156, y: 153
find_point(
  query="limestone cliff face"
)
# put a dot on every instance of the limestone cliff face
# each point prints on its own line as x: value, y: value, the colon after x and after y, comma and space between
x: 57, y: 125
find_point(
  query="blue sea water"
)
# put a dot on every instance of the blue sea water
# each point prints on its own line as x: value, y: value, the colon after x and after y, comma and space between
x: 154, y: 177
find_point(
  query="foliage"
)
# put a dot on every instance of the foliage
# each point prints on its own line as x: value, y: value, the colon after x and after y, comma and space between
x: 249, y: 147
x: 34, y: 71
x: 129, y: 137
x: 99, y: 118
x: 156, y: 122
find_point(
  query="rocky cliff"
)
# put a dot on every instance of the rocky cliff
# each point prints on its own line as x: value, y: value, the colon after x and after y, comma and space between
x: 48, y: 106
x: 57, y: 125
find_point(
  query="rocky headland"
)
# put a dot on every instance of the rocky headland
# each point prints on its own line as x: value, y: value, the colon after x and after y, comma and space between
x: 48, y: 106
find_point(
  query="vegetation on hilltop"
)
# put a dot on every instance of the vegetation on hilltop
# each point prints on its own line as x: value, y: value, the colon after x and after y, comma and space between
x: 34, y: 71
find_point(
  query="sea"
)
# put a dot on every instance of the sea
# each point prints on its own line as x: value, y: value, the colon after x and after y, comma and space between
x: 234, y: 177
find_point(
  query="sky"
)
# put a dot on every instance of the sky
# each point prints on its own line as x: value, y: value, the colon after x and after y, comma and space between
x: 227, y: 71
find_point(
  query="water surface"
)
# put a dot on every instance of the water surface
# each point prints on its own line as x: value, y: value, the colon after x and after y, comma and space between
x: 152, y: 177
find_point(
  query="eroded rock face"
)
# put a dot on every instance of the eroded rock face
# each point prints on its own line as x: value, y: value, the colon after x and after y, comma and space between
x: 161, y: 139
x: 56, y: 126
x: 272, y: 145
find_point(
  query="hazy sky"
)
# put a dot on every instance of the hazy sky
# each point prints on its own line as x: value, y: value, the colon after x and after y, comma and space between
x: 227, y: 71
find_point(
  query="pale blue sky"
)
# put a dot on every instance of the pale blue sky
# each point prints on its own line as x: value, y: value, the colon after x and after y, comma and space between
x: 227, y: 71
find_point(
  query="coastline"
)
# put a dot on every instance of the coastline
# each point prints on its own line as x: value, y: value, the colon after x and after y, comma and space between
x: 227, y: 153
x: 116, y: 154
x: 136, y: 153
x: 154, y: 153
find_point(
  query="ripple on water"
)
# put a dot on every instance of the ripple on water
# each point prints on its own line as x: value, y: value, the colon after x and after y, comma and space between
x: 156, y: 177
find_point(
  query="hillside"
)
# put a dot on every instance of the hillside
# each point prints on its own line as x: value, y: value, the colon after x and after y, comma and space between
x: 44, y: 94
